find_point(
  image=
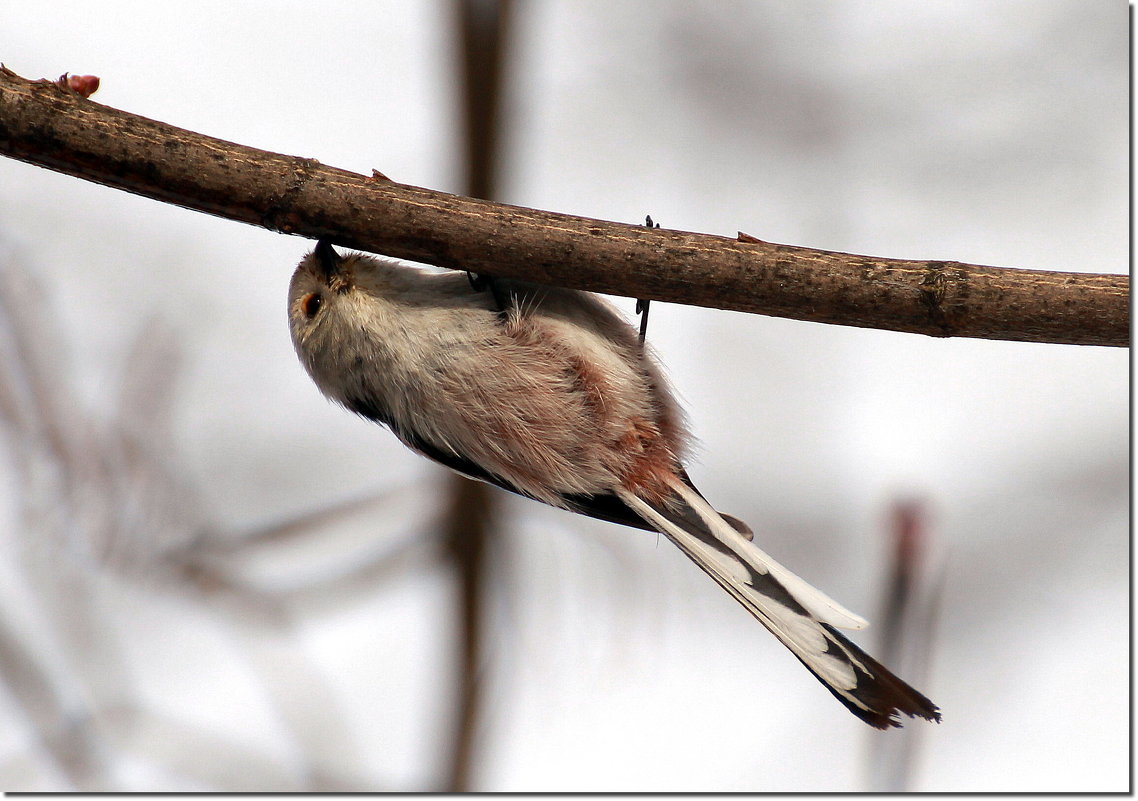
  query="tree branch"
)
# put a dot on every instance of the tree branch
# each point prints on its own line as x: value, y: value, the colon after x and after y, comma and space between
x: 47, y: 124
x: 472, y: 525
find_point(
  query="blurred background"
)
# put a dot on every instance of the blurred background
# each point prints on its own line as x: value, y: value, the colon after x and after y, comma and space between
x: 212, y: 579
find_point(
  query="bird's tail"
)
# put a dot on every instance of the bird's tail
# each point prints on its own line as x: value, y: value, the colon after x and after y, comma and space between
x: 803, y: 618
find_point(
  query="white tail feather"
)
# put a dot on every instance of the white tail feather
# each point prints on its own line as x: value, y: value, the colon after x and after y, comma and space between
x: 817, y: 603
x: 800, y: 616
x: 800, y: 632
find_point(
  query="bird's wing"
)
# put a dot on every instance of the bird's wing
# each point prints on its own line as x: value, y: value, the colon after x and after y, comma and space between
x: 607, y: 507
x: 800, y: 616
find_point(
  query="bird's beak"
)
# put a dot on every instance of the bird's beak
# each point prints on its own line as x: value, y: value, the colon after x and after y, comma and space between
x: 327, y: 259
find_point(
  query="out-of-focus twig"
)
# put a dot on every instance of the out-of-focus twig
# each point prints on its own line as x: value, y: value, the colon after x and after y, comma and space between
x: 482, y: 27
x: 467, y: 526
x: 106, y: 517
x: 907, y: 633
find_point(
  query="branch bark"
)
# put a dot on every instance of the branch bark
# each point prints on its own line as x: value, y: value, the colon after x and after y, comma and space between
x: 44, y: 123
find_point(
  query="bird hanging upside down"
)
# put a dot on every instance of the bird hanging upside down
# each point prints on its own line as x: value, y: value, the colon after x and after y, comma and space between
x: 555, y: 398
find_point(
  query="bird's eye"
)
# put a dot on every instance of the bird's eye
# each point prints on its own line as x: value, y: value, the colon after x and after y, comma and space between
x: 311, y: 304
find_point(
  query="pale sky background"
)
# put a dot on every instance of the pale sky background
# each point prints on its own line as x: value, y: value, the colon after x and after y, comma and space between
x: 986, y: 132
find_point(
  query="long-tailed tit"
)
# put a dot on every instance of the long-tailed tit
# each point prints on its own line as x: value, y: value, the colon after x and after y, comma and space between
x: 557, y: 400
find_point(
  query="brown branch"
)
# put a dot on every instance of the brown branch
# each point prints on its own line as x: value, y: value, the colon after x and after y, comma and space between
x: 472, y: 523
x: 53, y: 126
x: 468, y: 528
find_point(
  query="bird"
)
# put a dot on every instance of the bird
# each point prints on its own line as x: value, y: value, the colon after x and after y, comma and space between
x: 549, y: 393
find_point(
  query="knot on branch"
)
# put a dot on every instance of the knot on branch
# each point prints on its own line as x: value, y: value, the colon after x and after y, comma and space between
x: 934, y: 287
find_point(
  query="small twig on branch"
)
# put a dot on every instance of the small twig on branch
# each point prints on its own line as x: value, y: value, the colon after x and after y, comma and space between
x: 55, y: 127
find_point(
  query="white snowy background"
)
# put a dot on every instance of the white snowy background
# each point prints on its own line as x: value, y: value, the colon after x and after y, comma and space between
x: 986, y: 132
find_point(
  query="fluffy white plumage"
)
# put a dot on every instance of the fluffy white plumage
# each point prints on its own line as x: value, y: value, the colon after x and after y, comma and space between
x: 555, y: 398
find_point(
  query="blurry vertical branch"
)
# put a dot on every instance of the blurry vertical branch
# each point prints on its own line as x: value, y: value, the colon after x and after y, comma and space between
x: 470, y: 526
x: 907, y: 634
